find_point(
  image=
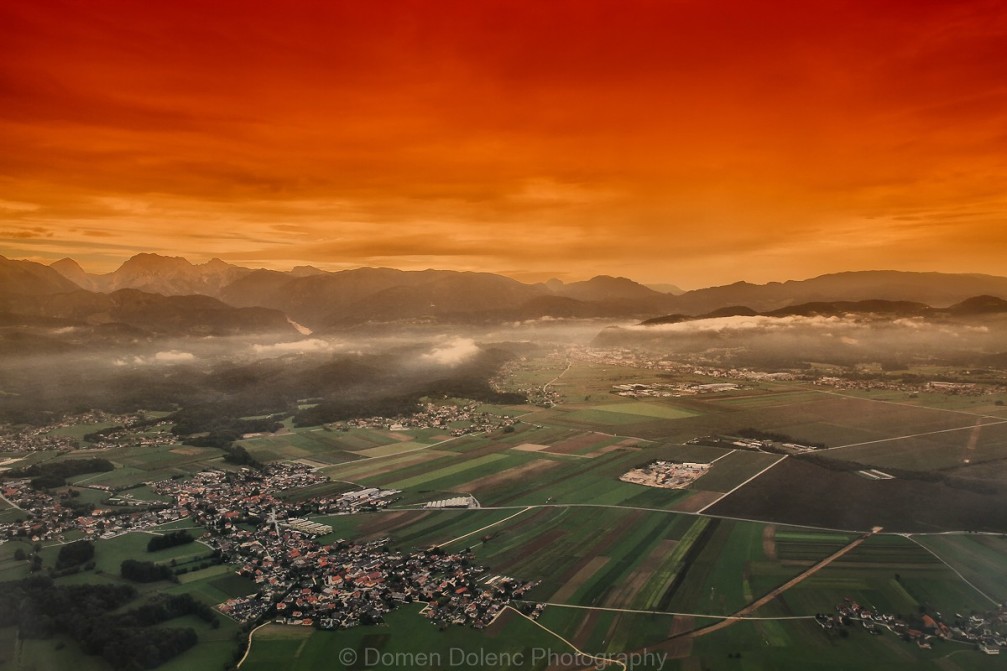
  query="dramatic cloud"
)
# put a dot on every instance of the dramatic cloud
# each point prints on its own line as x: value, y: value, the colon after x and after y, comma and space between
x: 688, y: 142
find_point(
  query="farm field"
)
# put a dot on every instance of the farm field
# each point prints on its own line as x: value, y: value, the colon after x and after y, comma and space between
x: 622, y: 566
x: 798, y: 491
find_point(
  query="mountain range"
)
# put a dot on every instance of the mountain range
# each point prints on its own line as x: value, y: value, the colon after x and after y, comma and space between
x: 164, y: 294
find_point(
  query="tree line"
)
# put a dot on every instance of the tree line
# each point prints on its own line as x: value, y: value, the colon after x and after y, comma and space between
x: 128, y: 640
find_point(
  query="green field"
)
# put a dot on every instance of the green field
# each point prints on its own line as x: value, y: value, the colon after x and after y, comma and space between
x: 655, y: 410
x: 555, y: 511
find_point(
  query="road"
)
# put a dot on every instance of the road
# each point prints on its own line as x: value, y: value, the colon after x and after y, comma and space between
x: 11, y: 503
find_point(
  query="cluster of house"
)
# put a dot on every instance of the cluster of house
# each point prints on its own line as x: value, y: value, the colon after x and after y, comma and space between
x: 35, y: 439
x: 641, y: 390
x: 543, y: 396
x: 702, y: 365
x: 666, y: 474
x: 222, y: 497
x: 300, y: 581
x: 939, y: 387
x: 47, y: 516
x: 342, y: 584
x: 127, y: 435
x: 42, y: 438
x: 434, y: 416
x: 980, y: 630
x: 346, y: 584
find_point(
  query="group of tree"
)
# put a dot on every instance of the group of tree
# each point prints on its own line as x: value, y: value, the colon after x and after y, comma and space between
x: 53, y: 474
x: 169, y: 540
x: 144, y: 571
x: 74, y: 554
x: 759, y: 434
x: 344, y: 408
x: 40, y: 609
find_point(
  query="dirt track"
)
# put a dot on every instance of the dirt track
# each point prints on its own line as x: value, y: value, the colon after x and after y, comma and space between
x: 762, y: 601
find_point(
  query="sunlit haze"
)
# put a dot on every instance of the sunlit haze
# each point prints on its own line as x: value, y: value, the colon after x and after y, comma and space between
x: 693, y: 143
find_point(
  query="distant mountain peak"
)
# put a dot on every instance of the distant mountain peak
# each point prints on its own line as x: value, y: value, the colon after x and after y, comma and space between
x: 65, y: 262
x: 306, y: 271
x: 72, y: 271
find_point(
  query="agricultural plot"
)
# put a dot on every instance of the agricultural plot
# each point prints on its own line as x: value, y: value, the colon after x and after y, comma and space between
x: 645, y: 409
x: 110, y: 553
x: 973, y: 442
x: 802, y: 645
x: 733, y: 469
x: 136, y: 465
x: 446, y: 477
x: 984, y: 405
x: 749, y: 399
x: 11, y: 568
x: 889, y: 573
x: 628, y: 423
x: 585, y: 444
x: 797, y: 491
x: 555, y: 544
x: 317, y: 443
x: 980, y: 559
x: 366, y: 469
x: 573, y: 481
x: 78, y: 431
x: 392, y: 449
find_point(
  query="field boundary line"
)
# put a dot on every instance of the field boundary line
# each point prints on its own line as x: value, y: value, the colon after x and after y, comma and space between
x: 906, y: 405
x: 471, y: 533
x: 722, y: 456
x: 666, y: 612
x: 664, y: 511
x: 396, y: 454
x: 953, y: 569
x: 600, y: 658
x: 721, y: 498
x: 971, y: 427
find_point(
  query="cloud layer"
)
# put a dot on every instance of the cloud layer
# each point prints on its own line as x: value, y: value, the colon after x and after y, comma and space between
x: 688, y: 142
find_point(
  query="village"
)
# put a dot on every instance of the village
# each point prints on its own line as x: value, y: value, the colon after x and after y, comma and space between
x: 133, y: 429
x: 640, y: 390
x: 338, y: 585
x: 982, y: 630
x: 268, y: 539
x: 433, y: 416
x: 704, y: 365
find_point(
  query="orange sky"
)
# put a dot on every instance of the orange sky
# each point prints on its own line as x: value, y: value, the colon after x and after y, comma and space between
x: 692, y: 142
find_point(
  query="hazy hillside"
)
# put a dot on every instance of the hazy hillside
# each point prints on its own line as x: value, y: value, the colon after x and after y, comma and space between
x: 153, y: 313
x: 30, y: 279
x: 936, y: 289
x: 326, y: 300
